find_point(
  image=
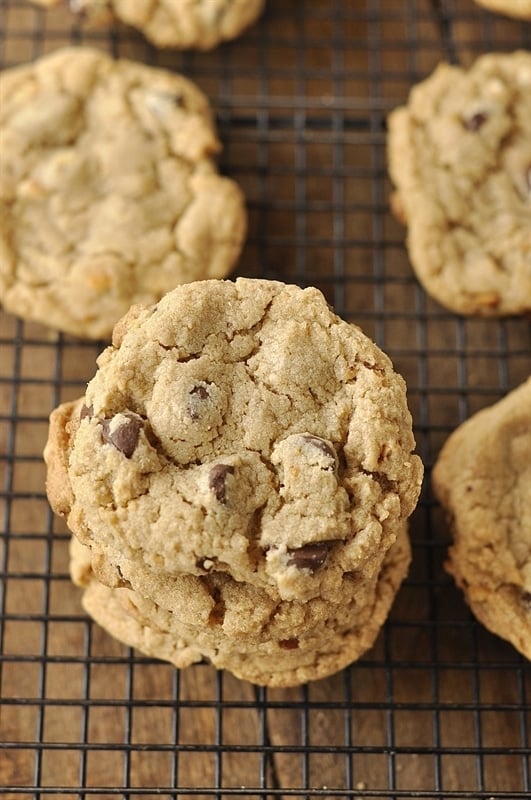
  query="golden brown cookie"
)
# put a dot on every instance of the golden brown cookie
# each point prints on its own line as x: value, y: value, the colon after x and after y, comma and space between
x: 460, y: 158
x: 108, y: 192
x: 200, y: 24
x: 483, y: 479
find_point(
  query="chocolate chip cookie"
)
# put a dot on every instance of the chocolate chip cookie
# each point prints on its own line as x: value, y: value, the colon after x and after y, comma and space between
x: 201, y: 24
x: 483, y: 479
x: 108, y: 192
x: 460, y: 158
x: 243, y: 441
x: 240, y: 627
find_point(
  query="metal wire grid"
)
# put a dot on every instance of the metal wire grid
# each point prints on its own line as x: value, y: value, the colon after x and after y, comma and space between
x: 439, y: 708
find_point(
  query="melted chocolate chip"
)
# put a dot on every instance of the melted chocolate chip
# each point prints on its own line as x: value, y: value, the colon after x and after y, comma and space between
x: 125, y: 435
x: 216, y: 481
x: 309, y: 556
x: 526, y: 599
x: 387, y: 485
x: 475, y: 122
x: 200, y: 391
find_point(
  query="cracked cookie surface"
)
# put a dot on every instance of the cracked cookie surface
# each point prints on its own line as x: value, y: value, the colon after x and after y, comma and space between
x: 241, y: 628
x: 483, y: 479
x: 238, y: 434
x: 108, y: 192
x: 200, y: 24
x: 459, y: 156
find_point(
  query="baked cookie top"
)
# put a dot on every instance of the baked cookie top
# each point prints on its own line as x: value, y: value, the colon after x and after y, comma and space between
x: 483, y: 479
x: 240, y: 428
x: 200, y: 24
x: 108, y: 192
x: 510, y: 8
x: 460, y: 157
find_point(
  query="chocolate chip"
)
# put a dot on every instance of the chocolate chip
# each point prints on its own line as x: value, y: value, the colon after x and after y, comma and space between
x: 310, y: 556
x: 321, y: 444
x: 324, y: 447
x: 123, y: 436
x: 526, y: 599
x: 86, y: 411
x: 475, y: 122
x: 386, y: 484
x: 216, y: 481
x: 197, y: 394
x: 200, y: 391
x: 288, y: 644
x: 217, y: 615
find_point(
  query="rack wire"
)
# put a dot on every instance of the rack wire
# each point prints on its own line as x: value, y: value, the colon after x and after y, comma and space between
x: 439, y: 708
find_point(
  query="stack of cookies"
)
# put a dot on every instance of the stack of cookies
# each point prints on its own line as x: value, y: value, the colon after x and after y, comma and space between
x: 238, y: 478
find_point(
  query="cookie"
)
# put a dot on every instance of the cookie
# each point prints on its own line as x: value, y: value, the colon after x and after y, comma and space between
x: 483, y: 479
x: 108, y: 192
x: 459, y: 156
x: 181, y: 24
x: 243, y: 439
x: 521, y: 9
x: 240, y: 627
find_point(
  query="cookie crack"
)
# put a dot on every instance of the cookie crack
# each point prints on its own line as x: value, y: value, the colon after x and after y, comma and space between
x: 254, y: 329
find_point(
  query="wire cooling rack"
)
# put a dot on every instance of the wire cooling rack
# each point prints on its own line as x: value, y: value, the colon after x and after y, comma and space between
x: 439, y: 708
